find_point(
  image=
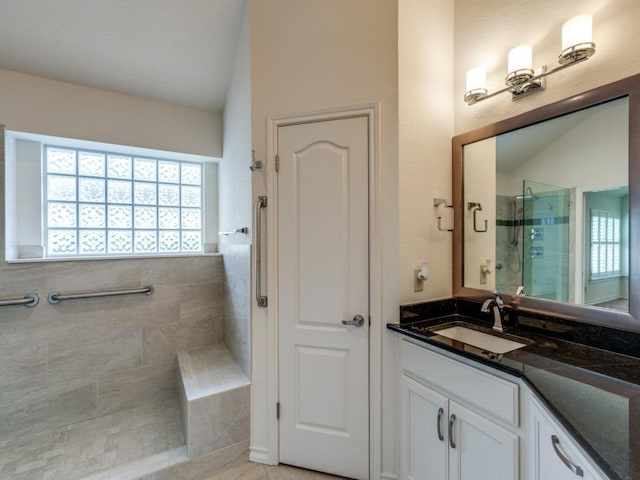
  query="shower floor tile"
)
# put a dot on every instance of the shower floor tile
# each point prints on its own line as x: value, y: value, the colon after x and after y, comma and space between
x: 143, y: 439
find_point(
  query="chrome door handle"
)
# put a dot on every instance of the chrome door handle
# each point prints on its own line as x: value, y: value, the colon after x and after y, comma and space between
x: 440, y: 413
x: 555, y: 441
x: 358, y: 321
x: 261, y: 202
x: 452, y: 420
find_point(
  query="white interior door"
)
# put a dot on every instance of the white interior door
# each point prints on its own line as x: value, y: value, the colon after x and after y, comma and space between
x: 323, y: 281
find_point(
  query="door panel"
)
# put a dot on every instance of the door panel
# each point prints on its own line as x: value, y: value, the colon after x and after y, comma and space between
x: 321, y: 178
x: 546, y: 462
x: 323, y: 280
x: 320, y: 408
x: 423, y: 452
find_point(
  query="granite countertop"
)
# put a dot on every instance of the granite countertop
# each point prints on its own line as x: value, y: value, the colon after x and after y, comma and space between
x: 593, y: 390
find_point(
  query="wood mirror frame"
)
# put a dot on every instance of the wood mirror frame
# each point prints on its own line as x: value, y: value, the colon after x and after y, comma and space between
x: 628, y: 87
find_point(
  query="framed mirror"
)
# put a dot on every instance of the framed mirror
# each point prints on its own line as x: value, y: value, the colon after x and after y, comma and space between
x: 550, y: 201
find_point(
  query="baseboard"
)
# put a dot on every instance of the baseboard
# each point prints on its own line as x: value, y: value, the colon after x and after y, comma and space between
x: 260, y: 455
x: 388, y: 476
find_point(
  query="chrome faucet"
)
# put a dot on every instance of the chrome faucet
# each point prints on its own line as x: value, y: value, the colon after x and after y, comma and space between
x: 496, y: 305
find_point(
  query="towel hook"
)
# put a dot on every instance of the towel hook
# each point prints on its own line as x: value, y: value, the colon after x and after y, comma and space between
x: 477, y: 207
x: 255, y: 164
x: 442, y: 201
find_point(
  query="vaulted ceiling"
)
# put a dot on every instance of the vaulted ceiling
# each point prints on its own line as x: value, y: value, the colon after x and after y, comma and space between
x: 175, y: 51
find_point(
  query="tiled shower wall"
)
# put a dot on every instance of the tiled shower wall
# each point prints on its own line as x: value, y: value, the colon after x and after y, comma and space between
x: 80, y: 359
x: 237, y: 288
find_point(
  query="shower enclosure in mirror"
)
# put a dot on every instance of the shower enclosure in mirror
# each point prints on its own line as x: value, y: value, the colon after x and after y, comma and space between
x: 532, y: 241
x: 547, y: 202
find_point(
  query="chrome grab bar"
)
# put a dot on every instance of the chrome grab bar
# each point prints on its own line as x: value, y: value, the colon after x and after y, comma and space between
x: 555, y: 441
x: 29, y: 300
x: 57, y: 297
x: 261, y: 202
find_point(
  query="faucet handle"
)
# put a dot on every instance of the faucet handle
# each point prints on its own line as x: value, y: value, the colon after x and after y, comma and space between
x: 499, y: 301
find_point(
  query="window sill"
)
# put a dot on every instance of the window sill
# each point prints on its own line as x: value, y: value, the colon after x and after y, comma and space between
x: 604, y: 279
x: 128, y: 257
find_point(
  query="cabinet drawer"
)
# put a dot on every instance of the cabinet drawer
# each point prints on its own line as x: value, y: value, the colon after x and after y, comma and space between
x: 483, y: 391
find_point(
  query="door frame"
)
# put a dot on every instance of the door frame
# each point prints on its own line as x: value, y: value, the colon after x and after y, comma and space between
x: 372, y: 113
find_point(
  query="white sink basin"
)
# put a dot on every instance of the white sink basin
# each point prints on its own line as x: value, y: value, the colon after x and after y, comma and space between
x: 485, y: 341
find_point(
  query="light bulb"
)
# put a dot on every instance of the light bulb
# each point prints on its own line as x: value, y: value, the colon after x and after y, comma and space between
x: 519, y: 63
x: 520, y: 58
x: 577, y: 41
x: 476, y: 79
x: 576, y: 30
x: 476, y: 85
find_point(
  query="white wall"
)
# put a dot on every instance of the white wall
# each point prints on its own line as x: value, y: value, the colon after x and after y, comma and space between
x: 577, y: 158
x: 235, y: 176
x: 39, y: 105
x: 235, y: 202
x: 425, y: 70
x: 486, y: 31
x: 480, y: 187
x: 313, y: 55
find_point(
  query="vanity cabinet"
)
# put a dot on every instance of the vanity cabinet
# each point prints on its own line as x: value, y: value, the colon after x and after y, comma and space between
x: 447, y: 431
x: 554, y: 454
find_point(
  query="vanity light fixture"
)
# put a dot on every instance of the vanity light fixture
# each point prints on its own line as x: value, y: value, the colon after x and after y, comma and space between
x: 522, y: 79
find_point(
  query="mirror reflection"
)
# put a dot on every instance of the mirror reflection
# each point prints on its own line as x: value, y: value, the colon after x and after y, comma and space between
x: 546, y: 207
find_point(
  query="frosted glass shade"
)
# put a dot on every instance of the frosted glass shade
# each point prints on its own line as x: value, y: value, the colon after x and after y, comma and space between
x: 520, y: 58
x: 476, y: 79
x: 576, y: 31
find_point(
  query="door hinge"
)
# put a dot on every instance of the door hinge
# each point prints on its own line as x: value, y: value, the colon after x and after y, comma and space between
x: 278, y: 411
x: 277, y: 162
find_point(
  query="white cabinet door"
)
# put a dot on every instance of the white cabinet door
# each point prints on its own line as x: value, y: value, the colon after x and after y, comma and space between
x: 423, y: 434
x: 554, y: 454
x: 480, y: 449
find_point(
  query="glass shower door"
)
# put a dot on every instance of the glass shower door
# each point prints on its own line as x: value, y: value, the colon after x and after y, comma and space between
x: 545, y: 272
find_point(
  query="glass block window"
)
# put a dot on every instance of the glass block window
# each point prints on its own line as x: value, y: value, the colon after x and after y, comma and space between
x: 606, y: 245
x: 110, y: 204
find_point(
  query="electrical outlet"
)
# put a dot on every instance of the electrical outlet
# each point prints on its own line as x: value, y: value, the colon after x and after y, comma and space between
x: 418, y: 285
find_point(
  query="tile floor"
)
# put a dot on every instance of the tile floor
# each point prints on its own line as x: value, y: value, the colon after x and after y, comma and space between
x: 255, y: 471
x: 137, y: 441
